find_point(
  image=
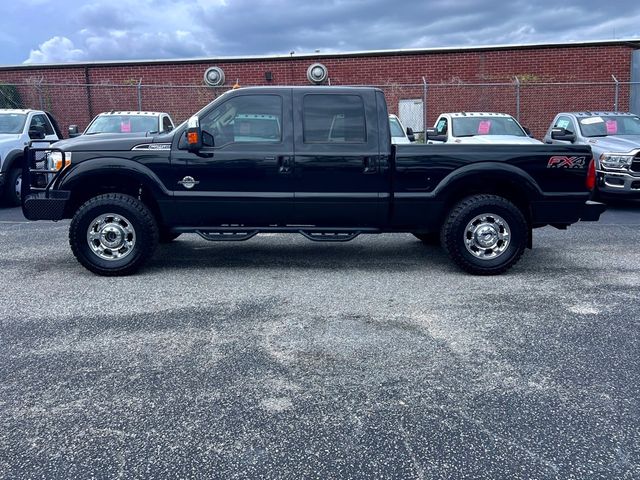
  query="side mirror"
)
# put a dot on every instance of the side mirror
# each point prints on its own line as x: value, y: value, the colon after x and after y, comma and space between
x: 410, y: 135
x: 37, y: 132
x: 194, y: 135
x: 73, y: 131
x: 169, y: 128
x: 528, y: 132
x: 432, y: 135
x: 562, y: 134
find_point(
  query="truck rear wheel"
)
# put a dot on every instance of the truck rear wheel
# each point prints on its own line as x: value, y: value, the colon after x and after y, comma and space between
x: 113, y: 234
x: 485, y: 234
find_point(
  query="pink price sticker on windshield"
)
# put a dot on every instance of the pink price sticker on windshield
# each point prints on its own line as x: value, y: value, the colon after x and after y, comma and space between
x: 483, y: 127
x: 612, y: 127
x: 125, y: 127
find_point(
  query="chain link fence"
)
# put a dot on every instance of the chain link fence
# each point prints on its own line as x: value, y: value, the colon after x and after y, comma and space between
x: 418, y: 105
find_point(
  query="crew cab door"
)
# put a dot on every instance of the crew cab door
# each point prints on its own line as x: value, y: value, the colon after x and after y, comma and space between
x: 245, y: 175
x: 339, y: 181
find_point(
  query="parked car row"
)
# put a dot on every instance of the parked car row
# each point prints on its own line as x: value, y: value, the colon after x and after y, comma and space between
x: 19, y: 127
x: 614, y: 138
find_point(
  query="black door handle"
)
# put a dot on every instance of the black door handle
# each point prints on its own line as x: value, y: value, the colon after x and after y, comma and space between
x: 370, y: 164
x: 284, y: 164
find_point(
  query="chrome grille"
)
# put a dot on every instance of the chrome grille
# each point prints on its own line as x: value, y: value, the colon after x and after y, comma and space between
x: 635, y: 164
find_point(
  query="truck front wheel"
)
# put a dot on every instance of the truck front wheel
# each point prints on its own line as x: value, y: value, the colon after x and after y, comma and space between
x: 113, y: 234
x: 14, y: 185
x: 485, y: 234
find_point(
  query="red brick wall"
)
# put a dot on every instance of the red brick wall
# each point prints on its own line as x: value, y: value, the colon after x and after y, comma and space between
x: 534, y: 65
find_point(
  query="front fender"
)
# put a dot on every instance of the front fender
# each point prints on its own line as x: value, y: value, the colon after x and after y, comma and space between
x: 93, y: 169
x: 11, y: 160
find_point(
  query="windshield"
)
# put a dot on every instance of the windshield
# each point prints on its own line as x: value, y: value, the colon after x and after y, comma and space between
x: 396, y: 129
x: 12, y: 122
x: 123, y: 124
x: 601, y: 126
x: 471, y: 126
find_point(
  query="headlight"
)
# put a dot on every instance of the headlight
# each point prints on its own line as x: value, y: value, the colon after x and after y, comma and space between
x: 615, y: 160
x: 55, y: 160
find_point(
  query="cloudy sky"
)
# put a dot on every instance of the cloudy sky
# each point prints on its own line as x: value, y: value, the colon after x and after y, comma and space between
x: 37, y: 31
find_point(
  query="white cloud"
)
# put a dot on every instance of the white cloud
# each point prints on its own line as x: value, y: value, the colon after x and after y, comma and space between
x: 56, y: 49
x: 156, y: 29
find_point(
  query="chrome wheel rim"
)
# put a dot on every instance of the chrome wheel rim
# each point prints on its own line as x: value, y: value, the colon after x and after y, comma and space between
x: 18, y: 187
x: 487, y: 236
x: 111, y: 236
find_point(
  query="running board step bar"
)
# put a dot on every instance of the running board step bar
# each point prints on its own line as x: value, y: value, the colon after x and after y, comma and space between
x: 329, y: 236
x: 238, y: 233
x: 227, y: 236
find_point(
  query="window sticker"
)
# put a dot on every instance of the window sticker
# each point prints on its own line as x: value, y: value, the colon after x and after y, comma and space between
x: 125, y: 126
x: 612, y: 127
x: 563, y: 123
x: 484, y: 127
x: 591, y: 120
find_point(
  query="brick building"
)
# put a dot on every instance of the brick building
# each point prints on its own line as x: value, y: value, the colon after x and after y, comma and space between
x: 530, y: 81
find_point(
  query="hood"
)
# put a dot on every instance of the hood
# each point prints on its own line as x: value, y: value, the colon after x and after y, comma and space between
x: 499, y: 139
x: 400, y: 141
x: 615, y: 144
x: 104, y: 142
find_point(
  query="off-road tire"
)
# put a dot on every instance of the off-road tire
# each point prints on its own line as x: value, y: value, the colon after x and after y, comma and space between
x: 10, y: 196
x: 140, y: 217
x: 452, y: 234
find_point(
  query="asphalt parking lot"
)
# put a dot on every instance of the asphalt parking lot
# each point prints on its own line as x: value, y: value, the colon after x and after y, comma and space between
x: 283, y: 358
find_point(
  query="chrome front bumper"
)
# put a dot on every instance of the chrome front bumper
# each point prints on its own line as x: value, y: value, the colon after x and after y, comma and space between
x: 620, y: 183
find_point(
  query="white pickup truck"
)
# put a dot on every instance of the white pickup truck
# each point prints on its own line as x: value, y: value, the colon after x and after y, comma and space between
x: 479, y: 128
x: 126, y: 122
x: 614, y: 138
x: 17, y: 129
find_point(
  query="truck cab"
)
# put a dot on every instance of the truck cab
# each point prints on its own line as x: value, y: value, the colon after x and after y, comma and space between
x: 614, y: 138
x: 19, y: 128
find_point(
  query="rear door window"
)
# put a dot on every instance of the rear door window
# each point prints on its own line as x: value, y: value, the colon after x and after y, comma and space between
x: 333, y: 118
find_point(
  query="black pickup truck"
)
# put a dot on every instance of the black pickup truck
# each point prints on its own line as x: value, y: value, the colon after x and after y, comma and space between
x: 316, y: 161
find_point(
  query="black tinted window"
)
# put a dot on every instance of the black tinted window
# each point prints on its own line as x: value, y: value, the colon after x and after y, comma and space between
x: 245, y: 119
x: 334, y: 119
x: 42, y: 121
x: 166, y: 124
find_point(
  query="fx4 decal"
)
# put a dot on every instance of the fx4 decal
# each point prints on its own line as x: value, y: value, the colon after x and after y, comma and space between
x: 566, y: 162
